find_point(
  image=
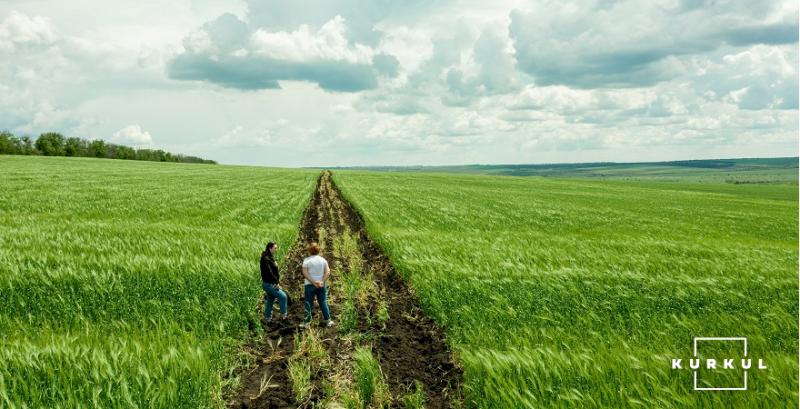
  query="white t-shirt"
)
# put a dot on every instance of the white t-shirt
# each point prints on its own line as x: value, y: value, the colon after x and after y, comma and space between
x: 316, y: 267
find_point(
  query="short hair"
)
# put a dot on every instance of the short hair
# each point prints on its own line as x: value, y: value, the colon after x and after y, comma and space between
x: 313, y: 248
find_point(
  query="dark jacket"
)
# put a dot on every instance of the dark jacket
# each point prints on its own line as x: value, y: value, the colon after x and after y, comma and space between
x: 269, y: 269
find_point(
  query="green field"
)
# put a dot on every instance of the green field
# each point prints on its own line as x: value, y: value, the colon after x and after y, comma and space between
x: 577, y: 293
x: 127, y: 284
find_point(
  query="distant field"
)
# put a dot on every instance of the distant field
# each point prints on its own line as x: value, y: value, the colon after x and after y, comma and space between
x: 122, y: 283
x: 576, y: 293
x: 733, y: 171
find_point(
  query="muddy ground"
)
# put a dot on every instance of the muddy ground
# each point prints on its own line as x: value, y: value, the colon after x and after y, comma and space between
x: 411, y: 347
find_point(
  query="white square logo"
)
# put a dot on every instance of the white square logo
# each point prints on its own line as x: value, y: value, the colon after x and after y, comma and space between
x: 702, y: 340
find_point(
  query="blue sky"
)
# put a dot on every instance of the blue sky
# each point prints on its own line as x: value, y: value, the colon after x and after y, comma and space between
x: 322, y: 83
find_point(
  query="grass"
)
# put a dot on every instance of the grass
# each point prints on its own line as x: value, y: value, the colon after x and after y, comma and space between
x: 568, y: 292
x: 357, y: 284
x: 128, y: 283
x: 362, y: 383
x: 309, y: 358
x: 373, y: 392
x: 383, y: 313
x: 415, y: 399
x: 300, y: 375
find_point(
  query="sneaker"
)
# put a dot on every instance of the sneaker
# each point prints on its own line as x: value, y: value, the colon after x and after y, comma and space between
x: 330, y: 323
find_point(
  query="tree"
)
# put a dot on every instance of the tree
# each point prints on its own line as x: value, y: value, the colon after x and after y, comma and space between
x: 50, y: 144
x: 75, y: 147
x: 147, y: 154
x: 25, y: 146
x: 97, y: 148
x: 8, y: 144
x: 111, y: 151
x: 54, y: 144
x: 124, y: 152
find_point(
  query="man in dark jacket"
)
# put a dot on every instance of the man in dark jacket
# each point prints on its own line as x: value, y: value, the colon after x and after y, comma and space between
x: 270, y: 277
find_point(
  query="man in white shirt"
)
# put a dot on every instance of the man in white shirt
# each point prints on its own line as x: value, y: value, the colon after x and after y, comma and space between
x: 316, y: 273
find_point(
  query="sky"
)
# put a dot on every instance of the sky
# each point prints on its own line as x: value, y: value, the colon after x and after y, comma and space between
x: 383, y: 82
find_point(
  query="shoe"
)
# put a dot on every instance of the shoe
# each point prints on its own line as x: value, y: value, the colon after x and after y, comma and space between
x: 330, y: 323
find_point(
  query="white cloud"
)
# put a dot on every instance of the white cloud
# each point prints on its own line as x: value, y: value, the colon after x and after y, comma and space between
x: 133, y: 135
x: 48, y: 73
x: 238, y: 137
x: 18, y: 29
x: 330, y: 42
x: 758, y: 77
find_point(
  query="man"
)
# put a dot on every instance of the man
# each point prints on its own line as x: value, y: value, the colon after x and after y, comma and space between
x: 316, y: 273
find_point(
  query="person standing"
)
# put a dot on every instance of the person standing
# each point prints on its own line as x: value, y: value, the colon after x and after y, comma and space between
x: 316, y: 272
x: 270, y: 282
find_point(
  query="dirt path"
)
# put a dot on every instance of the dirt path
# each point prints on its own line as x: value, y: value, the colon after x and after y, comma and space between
x: 409, y: 345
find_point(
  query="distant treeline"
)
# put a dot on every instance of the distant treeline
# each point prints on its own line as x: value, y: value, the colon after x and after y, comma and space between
x: 55, y: 144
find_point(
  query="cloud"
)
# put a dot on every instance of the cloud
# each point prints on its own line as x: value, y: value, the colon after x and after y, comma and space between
x: 237, y: 137
x: 489, y: 69
x: 461, y: 63
x: 781, y: 33
x: 228, y: 53
x: 20, y: 30
x: 385, y: 64
x: 49, y: 72
x: 394, y: 103
x: 410, y: 82
x: 363, y: 17
x: 254, y: 73
x: 632, y: 43
x: 755, y: 78
x: 304, y: 45
x: 132, y: 135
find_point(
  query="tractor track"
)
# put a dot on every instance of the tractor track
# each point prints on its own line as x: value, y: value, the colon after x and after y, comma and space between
x: 410, y: 346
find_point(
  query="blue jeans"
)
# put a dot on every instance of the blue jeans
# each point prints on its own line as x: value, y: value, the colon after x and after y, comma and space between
x: 321, y: 294
x: 273, y: 293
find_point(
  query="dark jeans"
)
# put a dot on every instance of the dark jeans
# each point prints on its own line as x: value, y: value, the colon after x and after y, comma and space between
x: 321, y: 294
x: 273, y: 293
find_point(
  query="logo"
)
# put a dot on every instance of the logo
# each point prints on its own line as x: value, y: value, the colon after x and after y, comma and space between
x: 719, y: 364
